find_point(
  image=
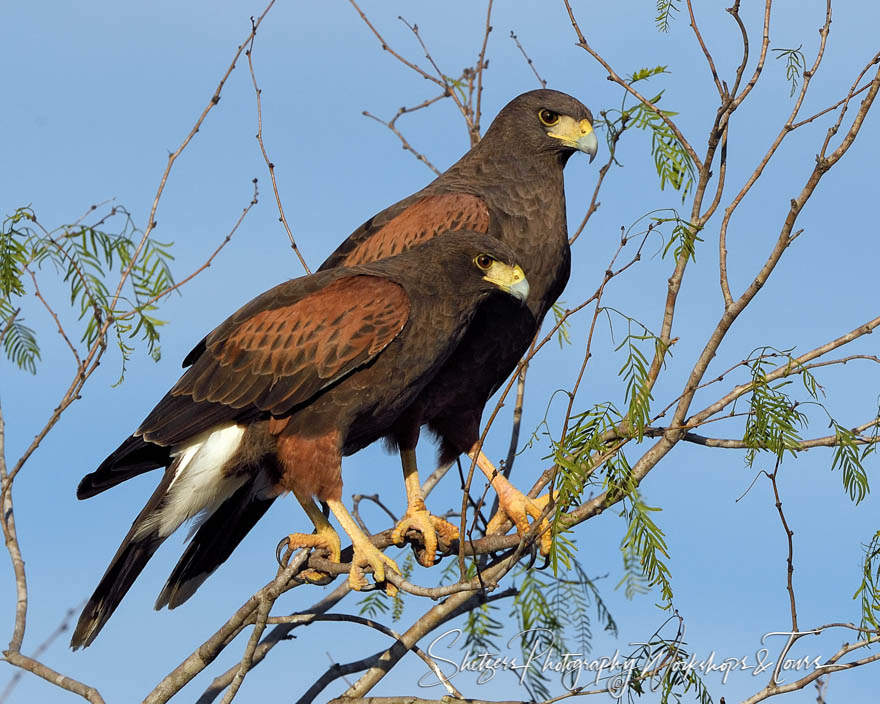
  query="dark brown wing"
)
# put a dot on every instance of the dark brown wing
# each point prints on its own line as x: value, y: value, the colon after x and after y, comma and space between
x: 408, y: 223
x: 271, y: 358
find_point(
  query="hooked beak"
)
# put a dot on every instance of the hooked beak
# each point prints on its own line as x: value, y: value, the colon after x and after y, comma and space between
x: 510, y: 279
x: 577, y: 135
x: 587, y: 142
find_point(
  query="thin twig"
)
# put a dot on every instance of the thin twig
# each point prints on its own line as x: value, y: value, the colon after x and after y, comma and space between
x: 306, y: 619
x: 404, y: 143
x: 693, y: 23
x: 271, y: 166
x: 789, y: 535
x: 54, y: 315
x: 206, y: 264
x: 62, y: 628
x: 613, y: 76
x: 247, y: 660
x: 528, y: 59
x: 482, y: 64
x: 88, y: 693
x: 10, y: 321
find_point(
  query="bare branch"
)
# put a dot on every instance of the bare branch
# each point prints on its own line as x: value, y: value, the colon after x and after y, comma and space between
x: 613, y: 76
x: 62, y: 628
x: 403, y: 141
x: 831, y: 665
x: 759, y: 67
x: 528, y: 59
x: 693, y: 23
x: 10, y: 535
x: 54, y: 315
x: 271, y: 166
x: 783, y: 133
x: 207, y: 263
x: 836, y: 105
x: 482, y: 64
x: 215, y: 98
x: 247, y: 660
x: 88, y: 693
x: 603, y: 171
x: 307, y: 619
x: 789, y: 534
x: 738, y: 444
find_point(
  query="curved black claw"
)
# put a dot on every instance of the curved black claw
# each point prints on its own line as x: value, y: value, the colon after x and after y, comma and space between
x: 284, y: 550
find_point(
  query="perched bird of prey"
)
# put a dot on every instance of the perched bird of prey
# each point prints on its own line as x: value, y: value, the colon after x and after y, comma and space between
x: 310, y: 371
x: 509, y: 185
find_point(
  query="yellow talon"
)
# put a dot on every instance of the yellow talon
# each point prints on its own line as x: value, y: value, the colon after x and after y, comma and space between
x: 433, y: 529
x: 517, y: 510
x: 326, y: 541
x: 366, y: 555
x: 514, y: 506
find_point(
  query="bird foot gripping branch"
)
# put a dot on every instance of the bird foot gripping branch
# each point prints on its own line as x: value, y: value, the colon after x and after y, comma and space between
x: 328, y: 541
x: 514, y: 506
x: 436, y: 533
x: 366, y: 556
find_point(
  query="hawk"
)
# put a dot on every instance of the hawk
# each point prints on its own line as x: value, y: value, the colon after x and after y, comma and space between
x: 308, y: 372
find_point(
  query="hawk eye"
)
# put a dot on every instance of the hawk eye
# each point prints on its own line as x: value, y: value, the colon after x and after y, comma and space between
x: 548, y: 117
x: 483, y: 261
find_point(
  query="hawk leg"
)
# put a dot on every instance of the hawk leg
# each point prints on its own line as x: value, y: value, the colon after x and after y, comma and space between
x: 433, y: 528
x: 324, y: 538
x: 514, y: 505
x: 366, y: 555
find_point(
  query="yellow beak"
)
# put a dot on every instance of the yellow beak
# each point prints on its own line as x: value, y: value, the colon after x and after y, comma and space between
x: 510, y: 279
x: 577, y: 135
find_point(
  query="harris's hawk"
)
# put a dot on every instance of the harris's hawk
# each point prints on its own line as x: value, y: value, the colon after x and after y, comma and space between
x: 310, y: 371
x: 509, y: 185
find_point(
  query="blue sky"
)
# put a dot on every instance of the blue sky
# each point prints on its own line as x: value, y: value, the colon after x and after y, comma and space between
x: 95, y: 97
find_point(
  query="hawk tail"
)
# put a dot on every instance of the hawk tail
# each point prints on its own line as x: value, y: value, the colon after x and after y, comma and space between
x: 214, y: 541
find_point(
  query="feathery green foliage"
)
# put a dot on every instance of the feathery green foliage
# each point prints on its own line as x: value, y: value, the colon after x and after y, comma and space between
x: 850, y: 458
x: 593, y: 434
x: 643, y: 545
x: 794, y: 65
x: 773, y: 420
x: 574, y: 458
x: 665, y: 9
x: 671, y: 160
x: 869, y: 590
x: 374, y: 604
x: 90, y: 259
x: 548, y: 610
x: 634, y: 373
x: 684, y: 237
x: 19, y: 341
x: 673, y: 163
x: 661, y: 669
x: 397, y: 603
x: 482, y: 630
x: 562, y: 334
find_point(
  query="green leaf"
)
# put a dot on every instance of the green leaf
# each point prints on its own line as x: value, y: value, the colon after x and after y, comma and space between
x: 773, y: 421
x: 794, y: 65
x: 868, y: 592
x: 848, y: 459
x: 665, y: 9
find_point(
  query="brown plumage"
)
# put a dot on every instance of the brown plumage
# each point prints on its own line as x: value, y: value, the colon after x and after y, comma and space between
x: 509, y: 185
x: 274, y: 397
